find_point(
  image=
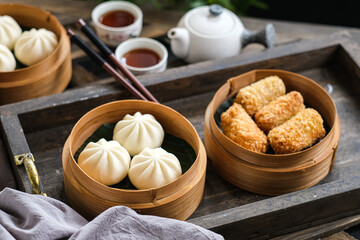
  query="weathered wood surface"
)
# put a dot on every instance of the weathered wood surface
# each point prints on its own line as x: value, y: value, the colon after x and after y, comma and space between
x: 226, y: 209
x: 332, y: 229
x: 156, y: 24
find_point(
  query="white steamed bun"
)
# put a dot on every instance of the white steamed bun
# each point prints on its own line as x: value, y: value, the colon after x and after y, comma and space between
x: 10, y: 31
x: 35, y: 45
x: 139, y: 131
x: 153, y: 168
x: 105, y: 161
x: 7, y: 59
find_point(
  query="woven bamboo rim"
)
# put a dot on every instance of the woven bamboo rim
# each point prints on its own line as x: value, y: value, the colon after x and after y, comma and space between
x: 272, y: 174
x: 270, y: 181
x: 49, y: 76
x: 165, y: 200
x: 321, y: 101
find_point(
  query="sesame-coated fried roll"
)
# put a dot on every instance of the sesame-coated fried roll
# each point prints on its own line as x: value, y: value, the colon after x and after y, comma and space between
x: 260, y: 93
x: 240, y: 128
x: 299, y: 132
x: 279, y: 111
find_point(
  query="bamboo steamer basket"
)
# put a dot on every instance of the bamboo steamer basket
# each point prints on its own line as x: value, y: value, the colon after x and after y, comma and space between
x: 178, y: 199
x: 272, y: 174
x: 49, y: 76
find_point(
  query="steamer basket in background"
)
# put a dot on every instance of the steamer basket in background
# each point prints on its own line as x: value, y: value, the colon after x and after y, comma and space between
x: 49, y: 76
x: 272, y: 174
x: 178, y: 199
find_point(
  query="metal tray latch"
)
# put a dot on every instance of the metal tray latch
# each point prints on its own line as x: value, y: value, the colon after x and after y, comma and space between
x: 29, y: 163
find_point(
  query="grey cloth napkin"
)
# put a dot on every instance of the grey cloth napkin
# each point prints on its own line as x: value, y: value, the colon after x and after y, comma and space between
x: 28, y: 216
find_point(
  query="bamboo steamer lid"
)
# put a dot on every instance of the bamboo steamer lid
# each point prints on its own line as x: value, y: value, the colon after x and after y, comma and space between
x: 49, y: 76
x: 178, y: 199
x: 272, y: 174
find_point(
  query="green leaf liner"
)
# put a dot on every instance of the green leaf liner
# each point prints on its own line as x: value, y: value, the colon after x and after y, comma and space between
x: 177, y: 146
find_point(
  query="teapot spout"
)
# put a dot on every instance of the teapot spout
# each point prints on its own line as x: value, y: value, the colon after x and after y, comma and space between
x: 180, y: 41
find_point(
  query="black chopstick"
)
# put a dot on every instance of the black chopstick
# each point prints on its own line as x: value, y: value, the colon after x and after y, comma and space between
x: 100, y: 61
x: 108, y: 53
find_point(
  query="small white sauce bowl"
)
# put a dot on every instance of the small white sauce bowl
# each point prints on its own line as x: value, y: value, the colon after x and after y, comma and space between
x: 113, y: 36
x: 139, y: 43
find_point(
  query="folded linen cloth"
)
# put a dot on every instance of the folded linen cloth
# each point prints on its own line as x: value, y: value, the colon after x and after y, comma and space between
x: 28, y: 216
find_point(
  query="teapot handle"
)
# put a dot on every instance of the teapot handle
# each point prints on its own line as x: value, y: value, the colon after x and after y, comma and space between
x: 265, y: 37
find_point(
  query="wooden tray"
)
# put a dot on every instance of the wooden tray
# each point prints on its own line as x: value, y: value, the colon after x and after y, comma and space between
x: 42, y: 126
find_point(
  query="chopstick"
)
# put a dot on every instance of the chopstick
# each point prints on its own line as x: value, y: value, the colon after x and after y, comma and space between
x: 105, y: 65
x: 108, y: 53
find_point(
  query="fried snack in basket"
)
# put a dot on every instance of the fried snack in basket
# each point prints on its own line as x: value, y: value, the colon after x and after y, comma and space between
x: 298, y: 133
x: 260, y: 93
x: 240, y: 128
x: 279, y: 111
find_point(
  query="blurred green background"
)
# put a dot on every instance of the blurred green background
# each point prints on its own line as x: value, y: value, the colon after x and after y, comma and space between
x: 241, y: 7
x: 331, y: 12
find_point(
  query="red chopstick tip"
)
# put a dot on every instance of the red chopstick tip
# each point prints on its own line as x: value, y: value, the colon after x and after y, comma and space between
x: 70, y: 33
x: 80, y: 23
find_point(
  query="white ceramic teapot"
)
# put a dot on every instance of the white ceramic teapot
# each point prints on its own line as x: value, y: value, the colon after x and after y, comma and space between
x: 210, y: 32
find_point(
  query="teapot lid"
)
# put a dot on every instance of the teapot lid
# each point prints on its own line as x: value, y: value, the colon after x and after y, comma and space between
x: 211, y: 20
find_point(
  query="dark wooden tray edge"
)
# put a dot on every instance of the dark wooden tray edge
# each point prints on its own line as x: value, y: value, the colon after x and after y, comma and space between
x: 13, y: 117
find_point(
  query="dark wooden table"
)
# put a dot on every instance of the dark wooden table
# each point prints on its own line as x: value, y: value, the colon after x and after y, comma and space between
x: 89, y: 77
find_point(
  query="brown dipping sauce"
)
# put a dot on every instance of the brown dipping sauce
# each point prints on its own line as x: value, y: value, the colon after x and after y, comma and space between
x: 117, y: 18
x: 141, y: 57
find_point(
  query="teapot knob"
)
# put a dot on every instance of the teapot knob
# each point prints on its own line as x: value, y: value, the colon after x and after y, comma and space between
x: 215, y: 9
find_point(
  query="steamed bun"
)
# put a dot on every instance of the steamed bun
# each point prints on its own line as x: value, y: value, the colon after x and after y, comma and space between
x: 105, y: 161
x: 10, y: 31
x: 153, y: 168
x: 35, y: 45
x: 137, y: 132
x: 7, y: 59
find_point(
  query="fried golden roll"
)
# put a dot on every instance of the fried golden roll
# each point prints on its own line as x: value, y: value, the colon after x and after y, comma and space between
x: 260, y: 93
x: 279, y: 111
x: 299, y: 132
x: 240, y: 128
